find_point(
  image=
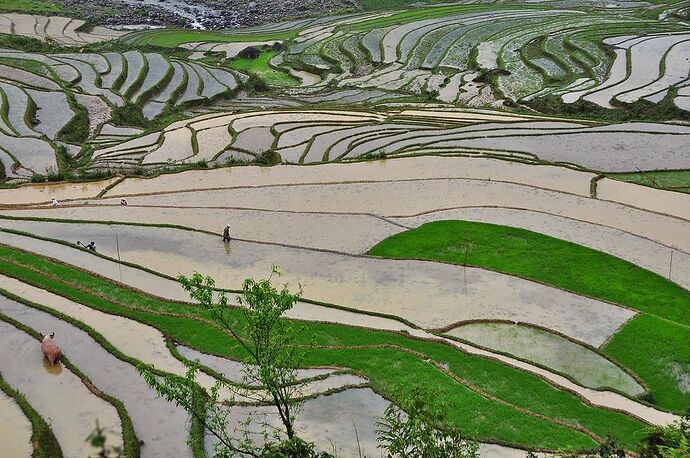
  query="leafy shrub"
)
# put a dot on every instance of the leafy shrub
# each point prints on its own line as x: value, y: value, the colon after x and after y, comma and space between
x: 672, y: 441
x: 255, y: 84
x: 269, y: 158
x: 129, y: 115
x: 293, y: 448
x: 38, y: 178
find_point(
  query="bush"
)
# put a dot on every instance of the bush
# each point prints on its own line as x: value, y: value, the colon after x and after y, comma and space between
x: 672, y: 441
x: 38, y: 178
x: 269, y: 158
x: 255, y: 84
x: 293, y: 448
x: 129, y: 115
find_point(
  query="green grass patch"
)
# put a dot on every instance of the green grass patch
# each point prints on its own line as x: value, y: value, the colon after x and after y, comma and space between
x: 657, y: 351
x: 386, y: 358
x: 544, y: 259
x: 673, y: 180
x: 33, y: 6
x: 172, y: 38
x: 260, y: 66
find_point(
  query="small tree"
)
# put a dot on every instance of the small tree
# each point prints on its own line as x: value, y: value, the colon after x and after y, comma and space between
x: 272, y: 358
x: 417, y: 428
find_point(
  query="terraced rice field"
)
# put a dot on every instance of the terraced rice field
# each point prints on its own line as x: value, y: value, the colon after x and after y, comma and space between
x: 66, y: 31
x: 484, y: 199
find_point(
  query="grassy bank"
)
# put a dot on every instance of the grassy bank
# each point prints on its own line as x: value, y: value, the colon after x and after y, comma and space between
x: 29, y: 6
x: 42, y: 437
x: 672, y: 180
x: 648, y: 345
x: 658, y: 352
x: 517, y: 408
x: 261, y: 67
x: 544, y: 259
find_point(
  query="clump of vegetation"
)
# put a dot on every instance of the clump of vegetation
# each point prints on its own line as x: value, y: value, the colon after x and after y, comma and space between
x: 374, y: 155
x: 255, y: 84
x: 416, y: 428
x: 129, y: 114
x: 30, y: 44
x: 269, y: 157
x: 623, y: 112
x: 672, y: 441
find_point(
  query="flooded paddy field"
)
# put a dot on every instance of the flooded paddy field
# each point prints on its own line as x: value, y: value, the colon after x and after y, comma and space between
x: 390, y: 287
x: 441, y: 183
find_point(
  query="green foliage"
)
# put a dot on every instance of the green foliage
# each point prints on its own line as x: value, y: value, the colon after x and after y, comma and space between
x: 255, y: 84
x: 98, y: 440
x: 639, y: 110
x: 657, y: 351
x: 293, y: 448
x: 673, y: 180
x: 672, y: 441
x: 269, y: 157
x: 30, y: 44
x: 129, y: 115
x: 417, y: 428
x: 172, y: 38
x: 374, y: 155
x: 262, y: 68
x: 76, y: 131
x: 29, y: 6
x: 544, y: 259
x: 272, y: 354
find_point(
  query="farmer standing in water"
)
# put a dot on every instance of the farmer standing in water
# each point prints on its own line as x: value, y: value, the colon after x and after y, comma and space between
x: 226, y: 234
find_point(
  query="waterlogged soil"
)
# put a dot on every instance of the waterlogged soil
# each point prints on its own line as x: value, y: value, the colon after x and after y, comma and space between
x: 58, y: 395
x: 132, y: 338
x: 157, y: 422
x: 344, y: 233
x: 431, y: 295
x: 585, y: 366
x: 409, y: 198
x: 15, y: 429
x: 550, y: 177
x: 43, y: 193
x: 135, y: 278
x: 355, y: 421
x: 305, y: 311
x: 670, y: 203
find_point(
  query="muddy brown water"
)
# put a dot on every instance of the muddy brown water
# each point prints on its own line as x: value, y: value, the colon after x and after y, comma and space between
x: 15, y: 429
x: 45, y: 192
x: 414, y: 197
x: 394, y: 169
x: 346, y: 233
x: 157, y: 422
x: 59, y: 396
x: 351, y: 433
x: 314, y: 312
x: 432, y: 295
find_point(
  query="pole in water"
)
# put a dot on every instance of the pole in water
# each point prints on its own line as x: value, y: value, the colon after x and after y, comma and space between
x: 119, y: 261
x: 670, y: 265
